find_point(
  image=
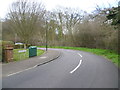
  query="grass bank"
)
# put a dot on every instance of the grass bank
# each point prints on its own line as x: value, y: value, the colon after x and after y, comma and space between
x: 108, y: 54
x: 24, y: 55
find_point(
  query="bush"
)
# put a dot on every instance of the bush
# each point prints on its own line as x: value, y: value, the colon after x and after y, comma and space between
x: 4, y: 43
x: 28, y: 45
x: 21, y: 46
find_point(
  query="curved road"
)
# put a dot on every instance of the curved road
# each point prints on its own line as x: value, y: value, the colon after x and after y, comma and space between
x: 73, y: 69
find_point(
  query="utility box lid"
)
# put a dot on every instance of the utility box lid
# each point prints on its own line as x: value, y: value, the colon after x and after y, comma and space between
x: 32, y: 47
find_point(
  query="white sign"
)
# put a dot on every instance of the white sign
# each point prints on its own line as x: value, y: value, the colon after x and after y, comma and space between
x: 22, y: 51
x: 18, y: 43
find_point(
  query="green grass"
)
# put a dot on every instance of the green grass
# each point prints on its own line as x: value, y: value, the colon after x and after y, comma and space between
x: 108, y: 54
x: 24, y: 55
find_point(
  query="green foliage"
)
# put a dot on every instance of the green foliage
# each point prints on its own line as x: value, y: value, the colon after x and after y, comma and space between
x: 114, y: 14
x: 18, y: 46
x: 21, y: 46
x: 4, y: 43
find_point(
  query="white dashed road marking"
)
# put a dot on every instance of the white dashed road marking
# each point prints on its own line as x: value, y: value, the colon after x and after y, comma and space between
x: 80, y: 54
x: 76, y: 67
x: 78, y: 64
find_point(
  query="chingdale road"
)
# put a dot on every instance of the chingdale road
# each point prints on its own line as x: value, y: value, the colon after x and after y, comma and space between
x: 73, y: 69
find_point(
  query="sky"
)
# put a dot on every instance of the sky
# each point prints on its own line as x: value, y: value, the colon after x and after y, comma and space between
x: 85, y: 5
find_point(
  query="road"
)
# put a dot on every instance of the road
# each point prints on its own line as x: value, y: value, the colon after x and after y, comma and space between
x: 73, y: 69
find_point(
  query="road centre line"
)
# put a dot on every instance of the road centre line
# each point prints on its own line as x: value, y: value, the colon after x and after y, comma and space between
x: 22, y: 71
x: 80, y: 54
x: 76, y: 67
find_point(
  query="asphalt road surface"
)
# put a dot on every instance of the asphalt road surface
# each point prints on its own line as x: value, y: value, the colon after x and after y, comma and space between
x: 73, y: 69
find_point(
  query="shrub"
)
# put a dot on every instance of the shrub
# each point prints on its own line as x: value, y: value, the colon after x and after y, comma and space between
x: 21, y: 46
x: 18, y: 46
x: 4, y: 43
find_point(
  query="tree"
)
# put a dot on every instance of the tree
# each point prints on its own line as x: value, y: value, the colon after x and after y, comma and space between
x: 67, y: 18
x: 114, y: 14
x: 7, y: 33
x: 24, y: 17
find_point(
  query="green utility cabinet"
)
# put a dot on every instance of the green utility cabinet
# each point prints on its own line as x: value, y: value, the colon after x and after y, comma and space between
x: 32, y: 51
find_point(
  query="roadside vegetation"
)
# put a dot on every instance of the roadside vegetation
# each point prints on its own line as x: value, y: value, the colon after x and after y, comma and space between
x: 17, y: 56
x: 30, y: 23
x: 108, y: 54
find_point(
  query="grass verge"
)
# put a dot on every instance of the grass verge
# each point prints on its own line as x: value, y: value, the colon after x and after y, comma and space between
x: 108, y: 54
x: 24, y: 55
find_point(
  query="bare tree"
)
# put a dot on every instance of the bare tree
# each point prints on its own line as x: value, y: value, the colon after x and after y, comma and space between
x: 67, y: 18
x: 73, y: 17
x: 24, y: 19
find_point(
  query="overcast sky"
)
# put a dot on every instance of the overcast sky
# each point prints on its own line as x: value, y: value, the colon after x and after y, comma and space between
x: 86, y: 5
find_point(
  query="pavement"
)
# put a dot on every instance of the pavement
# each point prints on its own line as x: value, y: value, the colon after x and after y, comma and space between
x: 19, y: 66
x: 73, y: 69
